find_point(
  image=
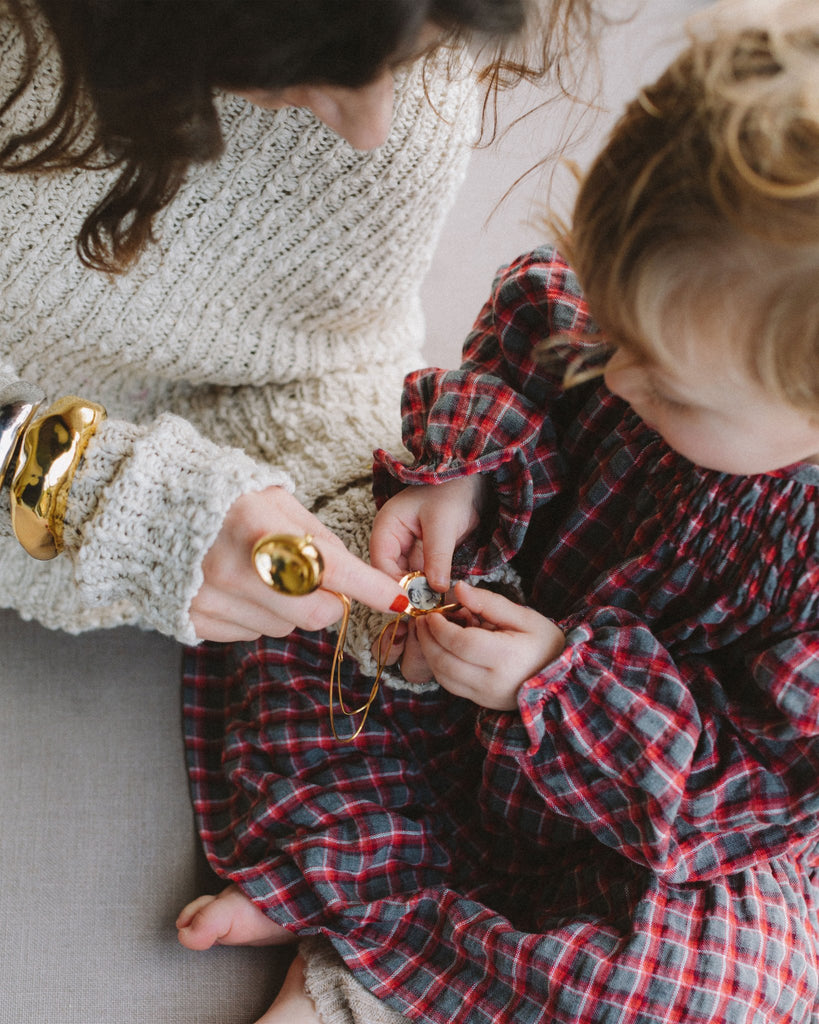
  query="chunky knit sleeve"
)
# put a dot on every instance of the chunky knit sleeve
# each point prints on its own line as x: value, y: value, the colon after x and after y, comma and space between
x: 261, y: 340
x: 144, y: 508
x: 151, y: 555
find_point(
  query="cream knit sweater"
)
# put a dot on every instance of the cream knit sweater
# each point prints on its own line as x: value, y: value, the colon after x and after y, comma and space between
x: 262, y: 341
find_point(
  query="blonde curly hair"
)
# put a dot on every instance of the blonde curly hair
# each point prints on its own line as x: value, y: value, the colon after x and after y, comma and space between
x: 705, y: 201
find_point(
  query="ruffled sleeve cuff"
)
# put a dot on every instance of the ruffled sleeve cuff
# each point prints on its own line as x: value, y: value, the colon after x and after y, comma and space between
x: 457, y: 423
x: 145, y: 507
x: 607, y: 735
x: 619, y: 689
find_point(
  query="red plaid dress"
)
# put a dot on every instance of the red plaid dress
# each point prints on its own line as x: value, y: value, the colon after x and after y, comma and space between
x: 638, y: 841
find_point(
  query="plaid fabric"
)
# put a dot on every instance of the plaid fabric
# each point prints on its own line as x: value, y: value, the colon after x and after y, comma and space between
x: 638, y: 843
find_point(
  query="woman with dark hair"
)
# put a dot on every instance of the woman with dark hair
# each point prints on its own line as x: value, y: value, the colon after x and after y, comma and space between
x: 248, y: 357
x: 218, y: 214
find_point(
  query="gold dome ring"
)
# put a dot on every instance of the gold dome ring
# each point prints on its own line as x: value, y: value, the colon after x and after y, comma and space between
x: 288, y: 563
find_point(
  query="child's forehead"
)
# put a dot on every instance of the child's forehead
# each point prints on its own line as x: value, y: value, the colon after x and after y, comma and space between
x: 701, y: 318
x: 686, y: 350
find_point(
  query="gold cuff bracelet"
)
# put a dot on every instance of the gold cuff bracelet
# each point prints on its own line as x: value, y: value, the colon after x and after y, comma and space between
x: 50, y: 451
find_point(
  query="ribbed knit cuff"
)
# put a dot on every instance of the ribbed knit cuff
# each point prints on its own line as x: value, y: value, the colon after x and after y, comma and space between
x: 145, y: 507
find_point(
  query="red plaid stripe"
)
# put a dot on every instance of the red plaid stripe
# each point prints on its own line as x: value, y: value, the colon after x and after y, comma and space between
x: 639, y: 842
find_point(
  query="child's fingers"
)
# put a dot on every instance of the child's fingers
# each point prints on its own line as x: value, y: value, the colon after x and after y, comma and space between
x: 440, y: 541
x: 488, y: 684
x: 495, y: 608
x: 390, y: 544
x: 389, y: 647
x: 462, y: 617
x: 445, y: 662
x: 486, y: 666
x: 471, y: 645
x: 414, y: 665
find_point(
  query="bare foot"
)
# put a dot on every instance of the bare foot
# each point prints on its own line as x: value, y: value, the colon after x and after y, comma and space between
x: 292, y: 1005
x: 229, y: 919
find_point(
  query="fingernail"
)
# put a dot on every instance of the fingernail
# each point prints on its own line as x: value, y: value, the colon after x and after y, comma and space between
x: 400, y: 604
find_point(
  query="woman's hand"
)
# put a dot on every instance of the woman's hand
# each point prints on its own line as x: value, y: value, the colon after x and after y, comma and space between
x: 419, y: 528
x: 234, y: 604
x: 490, y: 649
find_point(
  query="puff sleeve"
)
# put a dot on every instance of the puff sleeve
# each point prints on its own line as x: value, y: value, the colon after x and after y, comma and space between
x: 502, y: 413
x: 654, y: 756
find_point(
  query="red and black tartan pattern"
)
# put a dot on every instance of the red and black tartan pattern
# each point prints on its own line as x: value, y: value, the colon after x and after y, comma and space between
x: 638, y: 842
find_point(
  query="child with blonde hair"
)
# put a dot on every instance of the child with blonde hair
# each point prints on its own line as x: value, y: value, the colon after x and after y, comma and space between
x: 608, y: 807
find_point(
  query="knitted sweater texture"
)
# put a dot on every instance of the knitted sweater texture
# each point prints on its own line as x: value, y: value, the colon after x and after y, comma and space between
x: 263, y: 340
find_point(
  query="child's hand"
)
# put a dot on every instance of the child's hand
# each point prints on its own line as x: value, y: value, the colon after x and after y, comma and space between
x: 420, y: 527
x: 495, y: 647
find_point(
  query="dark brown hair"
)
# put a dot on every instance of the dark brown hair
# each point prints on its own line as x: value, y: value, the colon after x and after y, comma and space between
x: 138, y: 80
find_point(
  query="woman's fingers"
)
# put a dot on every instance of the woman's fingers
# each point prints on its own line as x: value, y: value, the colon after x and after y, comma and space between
x: 346, y: 574
x: 235, y: 603
x: 220, y: 631
x: 271, y: 615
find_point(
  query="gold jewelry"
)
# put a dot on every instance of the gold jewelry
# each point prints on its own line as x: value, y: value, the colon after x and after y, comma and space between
x: 423, y: 601
x: 288, y: 564
x: 50, y: 452
x: 292, y: 565
x: 422, y: 598
x: 19, y: 403
x: 335, y: 673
